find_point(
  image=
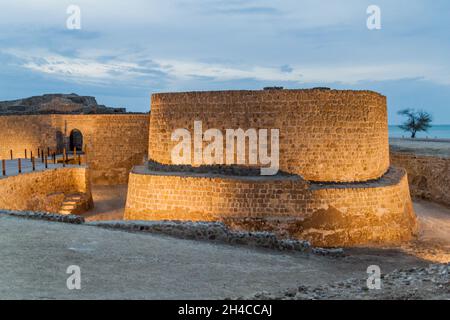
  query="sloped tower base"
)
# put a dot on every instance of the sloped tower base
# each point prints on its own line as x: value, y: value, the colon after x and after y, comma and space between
x: 329, y: 215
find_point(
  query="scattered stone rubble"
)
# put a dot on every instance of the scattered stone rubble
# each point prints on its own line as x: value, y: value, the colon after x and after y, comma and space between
x: 212, y: 231
x: 430, y: 283
x: 45, y: 216
x: 230, y: 170
x: 209, y: 231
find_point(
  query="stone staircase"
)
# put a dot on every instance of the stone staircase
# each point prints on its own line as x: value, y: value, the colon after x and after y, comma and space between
x: 72, y: 203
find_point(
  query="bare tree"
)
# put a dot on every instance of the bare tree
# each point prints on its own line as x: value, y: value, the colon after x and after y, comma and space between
x: 416, y: 121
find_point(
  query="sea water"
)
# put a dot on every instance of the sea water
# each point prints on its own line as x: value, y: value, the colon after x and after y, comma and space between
x: 435, y: 132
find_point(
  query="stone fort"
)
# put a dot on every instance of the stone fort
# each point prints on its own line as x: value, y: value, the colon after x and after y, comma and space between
x: 335, y: 187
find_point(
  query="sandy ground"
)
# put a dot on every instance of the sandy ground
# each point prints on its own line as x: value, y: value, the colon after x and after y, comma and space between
x: 439, y: 148
x: 123, y: 265
x: 433, y: 242
x: 109, y: 203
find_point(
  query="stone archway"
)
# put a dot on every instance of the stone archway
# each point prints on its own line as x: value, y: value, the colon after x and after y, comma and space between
x: 76, y: 140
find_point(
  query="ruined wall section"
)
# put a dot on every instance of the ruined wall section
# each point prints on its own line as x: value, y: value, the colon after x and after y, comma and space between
x: 429, y: 177
x: 325, y: 135
x: 43, y: 190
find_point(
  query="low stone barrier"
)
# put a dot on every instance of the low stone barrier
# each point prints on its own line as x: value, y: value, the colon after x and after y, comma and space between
x: 202, y: 231
x: 212, y: 231
x: 44, y: 216
x: 43, y: 191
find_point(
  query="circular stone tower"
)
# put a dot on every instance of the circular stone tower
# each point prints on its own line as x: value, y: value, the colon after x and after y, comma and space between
x: 333, y: 185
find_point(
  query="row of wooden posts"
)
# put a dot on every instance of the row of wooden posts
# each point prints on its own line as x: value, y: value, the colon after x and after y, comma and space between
x: 44, y: 156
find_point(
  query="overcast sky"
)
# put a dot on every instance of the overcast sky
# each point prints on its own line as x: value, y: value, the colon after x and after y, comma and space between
x: 127, y: 50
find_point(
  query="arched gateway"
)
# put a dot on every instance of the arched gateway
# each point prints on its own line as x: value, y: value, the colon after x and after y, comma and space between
x: 76, y: 140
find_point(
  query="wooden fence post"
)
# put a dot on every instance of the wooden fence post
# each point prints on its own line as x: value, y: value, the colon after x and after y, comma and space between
x: 4, y: 167
x: 46, y: 162
x: 33, y: 163
x: 19, y: 163
x: 26, y: 154
x: 10, y: 151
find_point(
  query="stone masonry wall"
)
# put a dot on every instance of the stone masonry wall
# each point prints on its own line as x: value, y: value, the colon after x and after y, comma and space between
x: 43, y: 190
x: 18, y: 133
x: 327, y: 215
x: 325, y: 135
x: 429, y: 177
x: 114, y: 142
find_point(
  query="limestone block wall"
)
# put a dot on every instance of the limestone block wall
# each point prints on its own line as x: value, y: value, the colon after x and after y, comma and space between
x: 43, y: 190
x: 325, y: 135
x: 429, y: 177
x: 18, y: 133
x: 115, y: 142
x: 326, y: 214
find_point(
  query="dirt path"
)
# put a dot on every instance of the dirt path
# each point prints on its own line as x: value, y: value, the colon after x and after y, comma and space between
x: 434, y: 222
x: 109, y: 203
x: 433, y: 242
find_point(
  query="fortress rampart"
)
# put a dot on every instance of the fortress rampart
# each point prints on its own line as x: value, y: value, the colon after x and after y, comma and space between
x: 325, y: 135
x: 114, y: 142
x: 326, y: 214
x: 334, y: 188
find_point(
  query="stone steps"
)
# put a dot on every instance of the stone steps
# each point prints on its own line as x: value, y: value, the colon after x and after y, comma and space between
x: 71, y: 204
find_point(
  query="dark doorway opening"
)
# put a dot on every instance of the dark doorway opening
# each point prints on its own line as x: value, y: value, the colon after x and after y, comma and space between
x: 59, y: 141
x: 76, y: 140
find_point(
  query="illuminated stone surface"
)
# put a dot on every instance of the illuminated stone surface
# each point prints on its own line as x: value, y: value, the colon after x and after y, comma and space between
x: 337, y: 189
x: 325, y: 135
x: 115, y: 142
x: 44, y: 190
x: 327, y: 215
x: 429, y: 177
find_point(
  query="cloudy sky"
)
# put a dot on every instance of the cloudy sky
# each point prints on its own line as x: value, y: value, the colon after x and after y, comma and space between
x: 127, y: 50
